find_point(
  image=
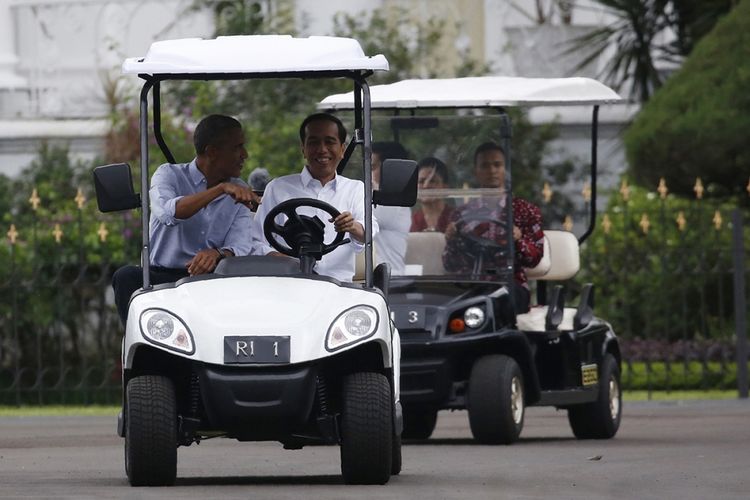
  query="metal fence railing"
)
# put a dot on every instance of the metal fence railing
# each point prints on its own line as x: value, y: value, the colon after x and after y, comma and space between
x: 665, y: 272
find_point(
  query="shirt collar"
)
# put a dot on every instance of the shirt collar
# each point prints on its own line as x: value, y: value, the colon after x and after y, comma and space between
x: 307, y: 177
x: 196, y: 176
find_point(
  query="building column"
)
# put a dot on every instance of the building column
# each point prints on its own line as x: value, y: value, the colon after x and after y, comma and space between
x: 13, y: 87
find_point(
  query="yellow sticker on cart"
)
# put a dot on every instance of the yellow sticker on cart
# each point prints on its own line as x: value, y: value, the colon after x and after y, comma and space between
x: 589, y: 374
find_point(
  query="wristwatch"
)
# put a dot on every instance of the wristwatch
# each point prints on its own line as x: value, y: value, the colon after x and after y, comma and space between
x: 221, y: 255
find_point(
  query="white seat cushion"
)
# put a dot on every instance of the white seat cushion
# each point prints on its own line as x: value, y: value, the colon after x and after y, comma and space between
x: 561, y: 259
x: 426, y: 250
x: 533, y: 321
x: 542, y: 268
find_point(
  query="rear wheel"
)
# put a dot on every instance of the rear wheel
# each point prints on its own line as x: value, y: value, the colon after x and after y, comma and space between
x: 496, y: 400
x: 600, y: 419
x: 419, y: 424
x: 366, y: 429
x: 151, y: 431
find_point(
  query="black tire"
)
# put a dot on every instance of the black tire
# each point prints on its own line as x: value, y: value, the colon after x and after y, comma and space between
x: 600, y: 419
x: 496, y: 400
x: 151, y: 431
x: 419, y: 424
x: 366, y: 429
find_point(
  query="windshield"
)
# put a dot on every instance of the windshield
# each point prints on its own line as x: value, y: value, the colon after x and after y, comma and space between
x: 458, y: 230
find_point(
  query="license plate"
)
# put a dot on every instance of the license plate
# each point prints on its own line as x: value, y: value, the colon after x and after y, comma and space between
x: 256, y: 349
x: 589, y: 374
x: 408, y: 317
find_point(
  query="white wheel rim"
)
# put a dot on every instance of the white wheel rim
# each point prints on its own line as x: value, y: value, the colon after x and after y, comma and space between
x: 614, y: 398
x: 516, y: 400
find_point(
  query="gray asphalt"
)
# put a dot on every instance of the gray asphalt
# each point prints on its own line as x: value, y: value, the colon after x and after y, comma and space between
x: 692, y: 450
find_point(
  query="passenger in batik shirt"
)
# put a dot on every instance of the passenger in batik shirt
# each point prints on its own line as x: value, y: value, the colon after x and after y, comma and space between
x: 528, y: 237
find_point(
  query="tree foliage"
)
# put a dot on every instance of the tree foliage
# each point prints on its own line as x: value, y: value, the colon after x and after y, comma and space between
x: 414, y: 48
x: 696, y: 125
x: 646, y: 34
x: 56, y: 274
x: 271, y: 110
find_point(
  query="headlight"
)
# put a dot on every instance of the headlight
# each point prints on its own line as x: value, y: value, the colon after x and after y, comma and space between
x: 351, y: 326
x: 474, y: 317
x: 164, y: 328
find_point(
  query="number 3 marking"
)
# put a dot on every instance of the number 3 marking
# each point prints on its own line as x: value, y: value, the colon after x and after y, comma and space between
x: 413, y: 316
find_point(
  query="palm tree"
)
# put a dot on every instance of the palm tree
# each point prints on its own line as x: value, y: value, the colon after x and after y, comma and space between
x: 645, y: 33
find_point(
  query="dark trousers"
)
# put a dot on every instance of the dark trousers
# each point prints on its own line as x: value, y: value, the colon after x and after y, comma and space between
x: 128, y: 279
x: 521, y: 298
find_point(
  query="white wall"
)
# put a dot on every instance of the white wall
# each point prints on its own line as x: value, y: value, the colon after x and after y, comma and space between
x: 66, y: 51
x: 315, y: 17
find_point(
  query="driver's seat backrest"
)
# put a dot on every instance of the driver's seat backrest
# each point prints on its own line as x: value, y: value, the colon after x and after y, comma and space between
x: 425, y: 249
x: 561, y: 260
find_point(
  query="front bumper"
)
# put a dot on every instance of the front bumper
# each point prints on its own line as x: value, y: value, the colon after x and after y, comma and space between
x: 257, y: 403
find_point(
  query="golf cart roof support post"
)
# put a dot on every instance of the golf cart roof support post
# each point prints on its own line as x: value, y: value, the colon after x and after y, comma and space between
x: 594, y: 151
x: 357, y: 105
x: 355, y: 140
x: 361, y: 83
x: 145, y: 202
x: 157, y: 123
x: 506, y: 133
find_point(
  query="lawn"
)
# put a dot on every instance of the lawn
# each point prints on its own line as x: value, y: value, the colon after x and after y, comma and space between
x: 94, y: 410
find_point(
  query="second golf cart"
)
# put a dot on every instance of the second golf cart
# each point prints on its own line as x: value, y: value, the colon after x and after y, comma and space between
x: 463, y: 345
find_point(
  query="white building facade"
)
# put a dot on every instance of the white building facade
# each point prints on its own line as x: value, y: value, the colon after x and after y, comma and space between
x: 60, y: 59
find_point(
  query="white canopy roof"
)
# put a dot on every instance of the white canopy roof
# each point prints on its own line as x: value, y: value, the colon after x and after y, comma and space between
x: 481, y: 91
x: 254, y: 54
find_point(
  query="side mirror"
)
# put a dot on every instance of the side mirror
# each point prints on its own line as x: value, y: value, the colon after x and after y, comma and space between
x: 114, y: 188
x: 398, y: 184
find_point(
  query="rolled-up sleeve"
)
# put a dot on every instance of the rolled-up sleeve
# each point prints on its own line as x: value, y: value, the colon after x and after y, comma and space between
x: 163, y: 196
x: 239, y: 239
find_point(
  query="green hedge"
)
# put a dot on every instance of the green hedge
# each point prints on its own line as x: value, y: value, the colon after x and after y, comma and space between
x: 662, y: 377
x: 697, y: 123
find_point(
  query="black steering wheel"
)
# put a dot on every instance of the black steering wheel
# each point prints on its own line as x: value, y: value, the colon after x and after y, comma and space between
x: 481, y: 244
x: 300, y: 230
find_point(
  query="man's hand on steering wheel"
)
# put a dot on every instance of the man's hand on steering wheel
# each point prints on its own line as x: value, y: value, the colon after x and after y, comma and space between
x: 345, y: 223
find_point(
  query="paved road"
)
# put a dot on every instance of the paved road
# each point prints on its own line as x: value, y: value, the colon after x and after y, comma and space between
x: 696, y: 450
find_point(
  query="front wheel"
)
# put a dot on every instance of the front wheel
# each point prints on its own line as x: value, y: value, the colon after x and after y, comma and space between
x: 366, y: 429
x: 600, y: 419
x: 151, y: 431
x: 496, y: 400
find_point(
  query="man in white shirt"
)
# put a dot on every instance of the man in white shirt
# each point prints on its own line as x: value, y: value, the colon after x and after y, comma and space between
x: 323, y: 138
x: 394, y: 222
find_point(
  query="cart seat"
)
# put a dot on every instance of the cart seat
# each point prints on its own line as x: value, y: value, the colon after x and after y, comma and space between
x: 535, y: 319
x: 561, y: 262
x: 425, y: 249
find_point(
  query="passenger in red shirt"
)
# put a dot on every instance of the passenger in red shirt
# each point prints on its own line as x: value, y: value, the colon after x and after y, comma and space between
x: 483, y: 218
x: 435, y: 212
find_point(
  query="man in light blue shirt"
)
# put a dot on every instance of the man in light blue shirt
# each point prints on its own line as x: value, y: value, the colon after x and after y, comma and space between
x: 200, y: 211
x: 323, y: 138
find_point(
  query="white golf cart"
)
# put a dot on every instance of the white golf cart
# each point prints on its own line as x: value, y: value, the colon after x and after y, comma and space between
x: 262, y: 349
x: 463, y: 345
